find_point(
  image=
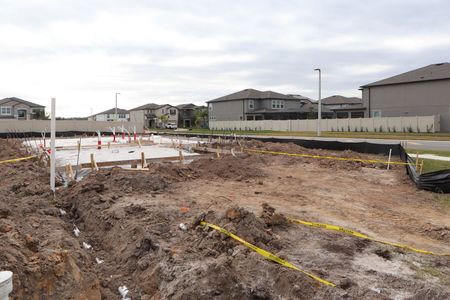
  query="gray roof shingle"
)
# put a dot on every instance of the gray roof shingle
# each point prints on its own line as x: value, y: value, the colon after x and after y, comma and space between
x: 113, y: 111
x: 432, y: 72
x: 150, y: 106
x: 253, y: 94
x: 30, y: 104
x: 338, y: 99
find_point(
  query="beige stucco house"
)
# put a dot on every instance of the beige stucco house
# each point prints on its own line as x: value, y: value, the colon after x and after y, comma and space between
x: 16, y: 108
x: 421, y: 92
x: 154, y: 115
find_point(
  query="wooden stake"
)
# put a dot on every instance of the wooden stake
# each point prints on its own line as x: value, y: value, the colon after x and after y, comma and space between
x: 421, y: 167
x: 180, y: 153
x: 143, y: 164
x: 417, y: 161
x: 69, y: 171
x: 93, y: 163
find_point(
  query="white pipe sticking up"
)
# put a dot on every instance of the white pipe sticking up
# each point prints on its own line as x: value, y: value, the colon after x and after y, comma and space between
x: 6, y: 284
x: 52, y: 146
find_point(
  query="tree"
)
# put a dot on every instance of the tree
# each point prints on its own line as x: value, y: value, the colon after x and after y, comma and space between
x: 40, y: 115
x: 201, y: 117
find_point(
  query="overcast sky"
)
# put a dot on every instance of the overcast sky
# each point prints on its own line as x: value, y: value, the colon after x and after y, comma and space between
x: 180, y: 51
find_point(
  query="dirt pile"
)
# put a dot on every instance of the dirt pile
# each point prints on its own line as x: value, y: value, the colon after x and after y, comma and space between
x: 47, y: 261
x: 144, y: 248
x: 327, y: 163
x: 229, y: 167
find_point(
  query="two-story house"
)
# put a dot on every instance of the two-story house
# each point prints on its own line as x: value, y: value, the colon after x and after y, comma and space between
x: 187, y: 115
x: 154, y: 115
x: 123, y: 115
x: 16, y: 108
x: 251, y: 104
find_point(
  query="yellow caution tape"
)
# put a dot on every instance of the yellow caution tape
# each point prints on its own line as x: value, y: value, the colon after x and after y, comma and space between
x: 363, y: 236
x: 375, y: 161
x: 16, y: 159
x: 265, y: 253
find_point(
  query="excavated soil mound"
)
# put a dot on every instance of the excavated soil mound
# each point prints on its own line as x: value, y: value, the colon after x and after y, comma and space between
x: 229, y: 167
x: 46, y: 260
x: 328, y: 163
x: 144, y: 248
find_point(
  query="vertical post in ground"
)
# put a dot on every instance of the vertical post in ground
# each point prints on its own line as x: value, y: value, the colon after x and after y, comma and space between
x: 421, y: 167
x: 52, y: 146
x: 181, y: 155
x: 143, y: 164
x: 389, y: 160
x: 417, y: 161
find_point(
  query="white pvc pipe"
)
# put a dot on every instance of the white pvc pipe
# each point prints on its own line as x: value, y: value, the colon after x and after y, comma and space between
x: 52, y: 147
x: 389, y: 161
x: 6, y: 284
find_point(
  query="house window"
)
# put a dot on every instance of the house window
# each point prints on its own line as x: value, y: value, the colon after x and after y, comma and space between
x: 5, y: 110
x: 107, y: 116
x: 173, y: 111
x: 277, y: 104
x: 376, y: 113
x: 251, y: 104
x: 210, y: 107
x: 122, y: 116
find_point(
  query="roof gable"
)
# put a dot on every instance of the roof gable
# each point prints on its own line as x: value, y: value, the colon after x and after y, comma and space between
x: 149, y: 106
x: 253, y: 94
x: 30, y: 104
x: 113, y: 111
x: 432, y: 72
x: 338, y: 99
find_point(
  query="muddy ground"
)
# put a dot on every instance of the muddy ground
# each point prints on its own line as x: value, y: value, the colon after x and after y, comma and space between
x: 132, y: 221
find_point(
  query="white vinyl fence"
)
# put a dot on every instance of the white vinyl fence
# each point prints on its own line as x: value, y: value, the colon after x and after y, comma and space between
x: 389, y: 124
x: 64, y: 125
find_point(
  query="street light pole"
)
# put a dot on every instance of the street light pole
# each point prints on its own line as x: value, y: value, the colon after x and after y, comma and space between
x: 116, y: 108
x: 319, y: 110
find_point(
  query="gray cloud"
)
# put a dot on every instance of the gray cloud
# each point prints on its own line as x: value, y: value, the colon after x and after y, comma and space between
x: 191, y: 51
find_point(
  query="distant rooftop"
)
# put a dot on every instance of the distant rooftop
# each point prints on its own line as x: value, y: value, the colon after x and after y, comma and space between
x: 31, y: 104
x: 113, y: 111
x: 150, y: 106
x: 432, y: 72
x: 338, y: 99
x: 253, y: 94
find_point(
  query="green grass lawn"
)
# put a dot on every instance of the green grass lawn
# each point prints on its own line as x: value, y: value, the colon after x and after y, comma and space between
x: 412, y: 151
x: 366, y: 135
x: 430, y: 165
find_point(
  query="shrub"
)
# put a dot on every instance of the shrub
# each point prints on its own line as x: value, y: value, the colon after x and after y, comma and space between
x: 381, y: 128
x: 394, y: 129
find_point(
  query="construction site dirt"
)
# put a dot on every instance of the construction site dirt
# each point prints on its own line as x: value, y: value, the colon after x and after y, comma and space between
x: 141, y: 229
